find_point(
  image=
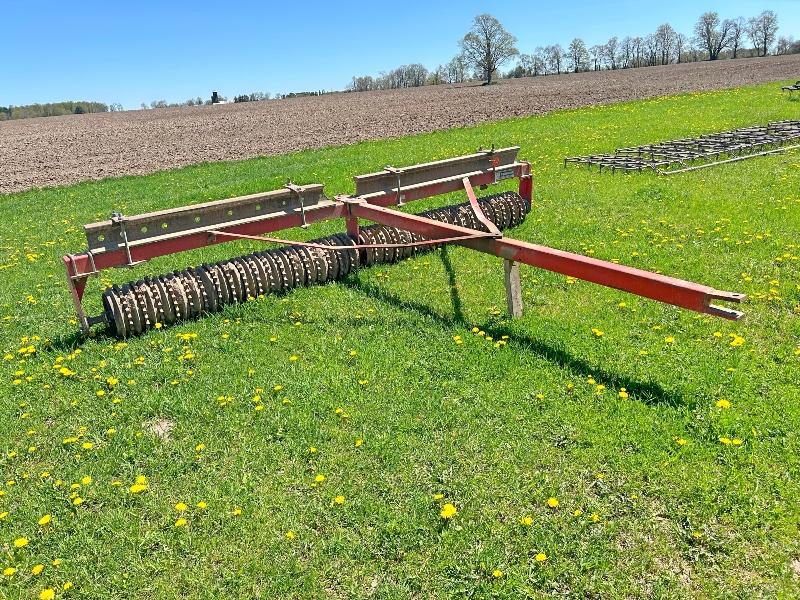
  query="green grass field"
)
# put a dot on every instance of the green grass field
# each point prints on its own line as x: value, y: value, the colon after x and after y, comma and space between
x: 663, y: 489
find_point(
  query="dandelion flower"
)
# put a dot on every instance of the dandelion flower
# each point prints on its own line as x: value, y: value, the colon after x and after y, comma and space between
x: 20, y: 542
x: 77, y: 501
x: 9, y: 571
x: 86, y: 480
x: 339, y: 499
x: 180, y: 507
x: 497, y: 573
x: 680, y: 441
x: 623, y: 393
x: 722, y: 403
x: 46, y: 519
x: 669, y: 339
x: 578, y: 512
x: 319, y: 478
x: 290, y: 535
x: 138, y: 488
x: 527, y: 521
x: 67, y: 585
x: 181, y: 522
x: 359, y: 442
x: 552, y: 502
x: 47, y: 594
x: 541, y: 557
x: 202, y: 505
x: 37, y: 569
x: 448, y: 511
x: 236, y: 511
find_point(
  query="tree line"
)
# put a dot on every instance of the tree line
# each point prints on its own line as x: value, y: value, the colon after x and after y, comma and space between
x: 487, y: 46
x: 55, y: 109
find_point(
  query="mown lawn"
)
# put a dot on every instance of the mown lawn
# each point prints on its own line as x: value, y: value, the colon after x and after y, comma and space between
x: 684, y: 484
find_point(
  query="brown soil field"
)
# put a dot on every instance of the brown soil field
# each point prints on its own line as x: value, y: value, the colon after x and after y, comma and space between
x: 63, y: 150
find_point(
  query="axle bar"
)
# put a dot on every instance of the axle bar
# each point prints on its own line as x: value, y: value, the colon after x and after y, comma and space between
x: 670, y: 290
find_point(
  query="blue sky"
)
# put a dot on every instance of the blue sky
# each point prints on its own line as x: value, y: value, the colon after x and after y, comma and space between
x: 137, y: 52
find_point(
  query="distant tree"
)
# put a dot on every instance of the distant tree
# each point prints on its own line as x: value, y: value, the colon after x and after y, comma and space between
x: 665, y: 38
x: 555, y: 58
x: 762, y: 30
x: 784, y: 45
x: 487, y: 45
x: 611, y: 52
x: 578, y: 55
x: 681, y: 43
x: 539, y: 56
x: 597, y: 52
x: 738, y: 28
x: 115, y: 107
x: 712, y: 34
x: 456, y: 69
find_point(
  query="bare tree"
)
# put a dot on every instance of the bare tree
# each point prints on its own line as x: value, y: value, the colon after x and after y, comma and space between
x: 456, y: 69
x: 540, y: 61
x: 597, y: 51
x: 611, y: 50
x: 711, y: 34
x: 555, y: 58
x: 577, y: 54
x: 784, y: 45
x: 738, y: 29
x: 681, y: 43
x: 487, y: 45
x: 762, y: 30
x: 626, y: 58
x: 665, y: 38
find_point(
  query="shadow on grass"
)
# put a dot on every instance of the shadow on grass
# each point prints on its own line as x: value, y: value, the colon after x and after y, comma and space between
x: 648, y: 392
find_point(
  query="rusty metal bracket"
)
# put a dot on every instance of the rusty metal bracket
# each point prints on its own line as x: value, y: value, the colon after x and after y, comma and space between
x: 398, y: 173
x: 298, y: 190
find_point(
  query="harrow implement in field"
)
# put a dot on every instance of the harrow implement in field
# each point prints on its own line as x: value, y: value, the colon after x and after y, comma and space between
x: 689, y: 154
x: 135, y: 307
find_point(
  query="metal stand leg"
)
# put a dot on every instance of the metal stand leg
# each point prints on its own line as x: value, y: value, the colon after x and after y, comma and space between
x: 513, y: 288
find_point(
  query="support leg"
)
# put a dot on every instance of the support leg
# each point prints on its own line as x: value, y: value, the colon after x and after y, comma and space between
x: 513, y: 288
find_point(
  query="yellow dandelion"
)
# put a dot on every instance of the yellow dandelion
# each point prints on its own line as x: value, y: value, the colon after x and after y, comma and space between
x: 77, y: 501
x: 541, y: 557
x: 67, y: 585
x: 138, y: 488
x: 497, y: 573
x: 339, y: 499
x: 202, y: 505
x: 359, y: 442
x: 9, y: 571
x: 37, y: 569
x: 319, y: 478
x: 527, y: 521
x: 181, y: 506
x: 552, y: 502
x: 86, y: 480
x: 181, y: 522
x: 45, y: 520
x: 448, y: 511
x: 236, y: 511
x: 21, y: 542
x: 669, y: 340
x: 623, y: 393
x: 722, y: 403
x: 290, y: 535
x: 47, y: 594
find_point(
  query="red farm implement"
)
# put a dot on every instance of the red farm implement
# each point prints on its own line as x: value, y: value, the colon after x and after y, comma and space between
x: 126, y: 241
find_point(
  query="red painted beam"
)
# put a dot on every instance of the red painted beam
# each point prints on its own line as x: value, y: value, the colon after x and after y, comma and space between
x: 670, y: 290
x: 147, y: 250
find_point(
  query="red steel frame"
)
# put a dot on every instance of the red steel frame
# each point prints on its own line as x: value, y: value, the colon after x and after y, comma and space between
x: 373, y: 207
